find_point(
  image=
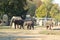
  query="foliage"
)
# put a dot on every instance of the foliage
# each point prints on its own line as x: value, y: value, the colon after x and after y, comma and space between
x: 57, y: 17
x: 46, y: 2
x: 12, y: 7
x: 41, y: 11
x: 32, y: 5
x: 48, y: 9
x: 44, y: 9
x: 54, y: 10
x: 31, y: 10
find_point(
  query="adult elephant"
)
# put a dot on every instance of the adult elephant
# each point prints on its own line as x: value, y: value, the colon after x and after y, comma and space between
x: 17, y: 21
x: 49, y: 24
x: 29, y: 22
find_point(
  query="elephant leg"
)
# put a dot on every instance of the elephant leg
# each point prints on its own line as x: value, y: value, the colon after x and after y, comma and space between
x: 33, y: 27
x: 47, y: 27
x: 30, y: 27
x: 15, y: 26
x: 22, y: 26
x: 27, y: 26
x: 50, y: 28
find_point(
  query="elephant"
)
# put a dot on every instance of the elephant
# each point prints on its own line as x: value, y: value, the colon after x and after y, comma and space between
x: 17, y: 21
x: 29, y: 23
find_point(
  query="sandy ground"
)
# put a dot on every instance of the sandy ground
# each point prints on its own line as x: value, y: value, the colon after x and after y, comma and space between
x: 21, y: 34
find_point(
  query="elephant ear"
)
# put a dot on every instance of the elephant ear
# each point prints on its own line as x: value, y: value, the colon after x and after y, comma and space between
x: 11, y: 21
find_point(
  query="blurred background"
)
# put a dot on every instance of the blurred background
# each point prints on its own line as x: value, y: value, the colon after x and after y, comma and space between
x: 41, y: 10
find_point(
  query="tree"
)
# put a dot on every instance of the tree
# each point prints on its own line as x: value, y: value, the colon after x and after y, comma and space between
x: 44, y: 9
x: 41, y: 11
x: 13, y: 7
x: 57, y: 17
x: 32, y: 5
x: 31, y: 10
x: 54, y: 10
x: 47, y: 2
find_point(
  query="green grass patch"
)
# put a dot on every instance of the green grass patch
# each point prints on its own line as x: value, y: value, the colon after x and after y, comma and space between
x: 4, y: 27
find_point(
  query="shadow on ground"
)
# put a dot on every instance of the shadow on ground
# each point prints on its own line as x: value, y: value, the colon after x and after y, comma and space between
x: 56, y: 29
x: 12, y: 37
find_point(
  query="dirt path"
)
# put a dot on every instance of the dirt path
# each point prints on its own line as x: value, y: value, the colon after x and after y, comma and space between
x: 20, y: 34
x: 30, y: 37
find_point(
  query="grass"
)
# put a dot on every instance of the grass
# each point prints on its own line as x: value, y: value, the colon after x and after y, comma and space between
x: 4, y: 27
x: 42, y: 31
x: 50, y: 32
